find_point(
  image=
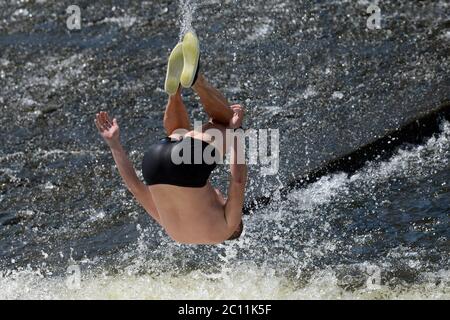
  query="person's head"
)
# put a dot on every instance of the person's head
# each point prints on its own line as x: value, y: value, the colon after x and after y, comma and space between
x: 238, y: 232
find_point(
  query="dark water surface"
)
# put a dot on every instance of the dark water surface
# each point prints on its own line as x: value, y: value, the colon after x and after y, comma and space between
x: 308, y: 68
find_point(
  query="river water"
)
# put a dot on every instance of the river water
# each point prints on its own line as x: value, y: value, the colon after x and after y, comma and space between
x: 309, y: 69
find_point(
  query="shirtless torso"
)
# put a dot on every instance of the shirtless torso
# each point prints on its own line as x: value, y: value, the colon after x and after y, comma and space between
x: 189, y: 215
x: 201, y: 222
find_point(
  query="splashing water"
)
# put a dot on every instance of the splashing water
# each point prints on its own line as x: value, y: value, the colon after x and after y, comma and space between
x: 319, y: 243
x: 285, y: 59
x: 187, y: 11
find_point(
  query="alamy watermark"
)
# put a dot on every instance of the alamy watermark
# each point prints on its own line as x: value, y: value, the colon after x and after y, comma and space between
x: 73, y: 22
x: 369, y: 275
x: 233, y: 140
x: 374, y: 278
x: 73, y: 277
x: 374, y: 21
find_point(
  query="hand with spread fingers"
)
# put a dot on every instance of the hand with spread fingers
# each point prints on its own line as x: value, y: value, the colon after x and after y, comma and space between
x: 108, y: 129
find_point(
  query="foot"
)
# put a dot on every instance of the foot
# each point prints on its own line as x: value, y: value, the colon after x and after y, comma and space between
x: 191, y: 53
x: 174, y: 70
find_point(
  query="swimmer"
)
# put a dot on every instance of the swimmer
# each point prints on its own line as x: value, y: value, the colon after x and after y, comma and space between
x: 180, y: 197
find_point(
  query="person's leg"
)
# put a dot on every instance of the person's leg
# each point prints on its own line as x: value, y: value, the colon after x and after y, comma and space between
x: 214, y: 103
x: 176, y: 115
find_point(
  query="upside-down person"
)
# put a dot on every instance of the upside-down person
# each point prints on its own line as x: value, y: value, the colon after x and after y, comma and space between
x: 179, y: 196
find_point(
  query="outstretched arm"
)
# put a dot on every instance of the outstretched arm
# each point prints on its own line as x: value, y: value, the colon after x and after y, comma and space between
x: 109, y: 130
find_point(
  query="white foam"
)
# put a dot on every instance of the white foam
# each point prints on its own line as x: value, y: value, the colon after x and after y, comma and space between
x: 446, y: 35
x: 310, y: 92
x: 319, y: 192
x: 58, y: 152
x: 261, y: 31
x: 10, y: 156
x: 242, y: 278
x: 64, y: 71
x: 10, y: 173
x: 337, y: 95
x: 28, y: 102
x: 412, y: 163
x: 4, y: 62
x: 21, y: 13
x: 49, y: 186
x: 271, y: 110
x: 241, y: 282
x: 125, y: 22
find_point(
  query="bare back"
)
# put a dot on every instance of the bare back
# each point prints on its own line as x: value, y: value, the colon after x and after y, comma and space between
x: 191, y: 215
